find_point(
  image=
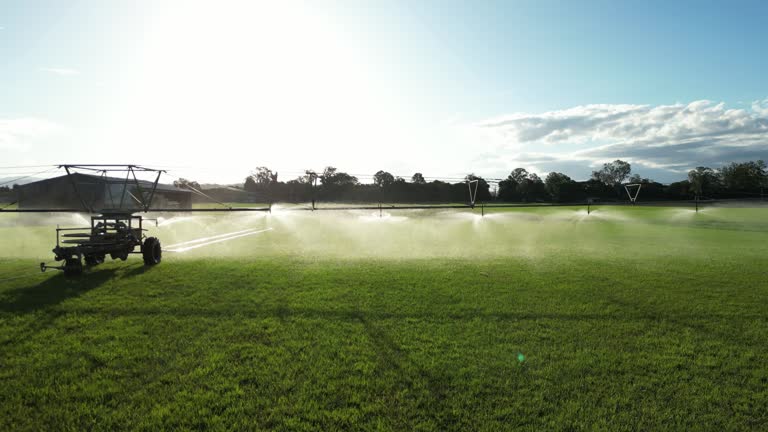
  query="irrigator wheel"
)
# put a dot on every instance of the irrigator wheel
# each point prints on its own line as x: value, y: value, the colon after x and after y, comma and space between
x: 93, y: 260
x: 151, y: 251
x: 73, y: 267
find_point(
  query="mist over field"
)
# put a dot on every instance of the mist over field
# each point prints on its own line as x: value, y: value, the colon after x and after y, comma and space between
x: 429, y: 233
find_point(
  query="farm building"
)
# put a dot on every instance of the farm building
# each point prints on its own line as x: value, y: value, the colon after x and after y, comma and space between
x: 98, y: 193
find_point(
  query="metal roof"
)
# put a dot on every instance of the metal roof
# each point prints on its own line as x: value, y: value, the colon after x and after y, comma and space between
x: 113, y: 180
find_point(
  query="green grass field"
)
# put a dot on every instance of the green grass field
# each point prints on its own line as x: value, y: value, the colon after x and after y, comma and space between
x: 531, y: 319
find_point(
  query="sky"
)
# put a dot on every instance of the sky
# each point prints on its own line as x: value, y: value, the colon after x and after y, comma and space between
x: 211, y: 90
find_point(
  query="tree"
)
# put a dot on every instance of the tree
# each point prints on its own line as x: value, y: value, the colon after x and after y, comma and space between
x: 344, y: 179
x: 530, y: 187
x: 183, y: 183
x: 250, y: 184
x: 326, y: 178
x: 679, y: 190
x: 518, y: 175
x: 264, y: 176
x: 418, y: 178
x: 744, y: 176
x: 636, y: 178
x: 332, y: 177
x: 556, y: 184
x: 614, y: 173
x: 383, y: 179
x: 509, y: 188
x: 702, y: 180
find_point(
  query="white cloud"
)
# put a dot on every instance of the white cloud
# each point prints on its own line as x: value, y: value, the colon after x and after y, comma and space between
x: 15, y: 133
x: 760, y: 107
x: 671, y: 138
x: 61, y: 71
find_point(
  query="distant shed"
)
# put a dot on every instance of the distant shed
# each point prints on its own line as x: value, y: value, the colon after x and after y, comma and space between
x: 98, y: 192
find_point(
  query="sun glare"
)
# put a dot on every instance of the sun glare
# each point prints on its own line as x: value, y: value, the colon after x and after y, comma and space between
x: 256, y: 75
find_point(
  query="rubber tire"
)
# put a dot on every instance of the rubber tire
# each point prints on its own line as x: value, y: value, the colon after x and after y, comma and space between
x: 119, y: 255
x: 93, y: 260
x: 73, y: 267
x: 152, y: 251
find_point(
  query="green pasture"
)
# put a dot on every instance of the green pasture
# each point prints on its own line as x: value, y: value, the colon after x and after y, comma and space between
x: 627, y: 318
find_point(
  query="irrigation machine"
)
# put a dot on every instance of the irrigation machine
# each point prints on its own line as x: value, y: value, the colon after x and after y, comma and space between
x: 113, y: 234
x: 116, y: 230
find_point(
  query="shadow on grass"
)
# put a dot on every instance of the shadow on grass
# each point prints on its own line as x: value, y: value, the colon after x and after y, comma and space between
x: 284, y: 312
x: 697, y: 321
x: 136, y: 270
x: 391, y: 356
x: 53, y: 291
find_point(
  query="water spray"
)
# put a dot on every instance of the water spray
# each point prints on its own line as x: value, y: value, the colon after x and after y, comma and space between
x: 190, y: 245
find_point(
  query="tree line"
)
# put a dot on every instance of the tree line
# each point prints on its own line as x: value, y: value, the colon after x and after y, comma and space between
x: 734, y: 180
